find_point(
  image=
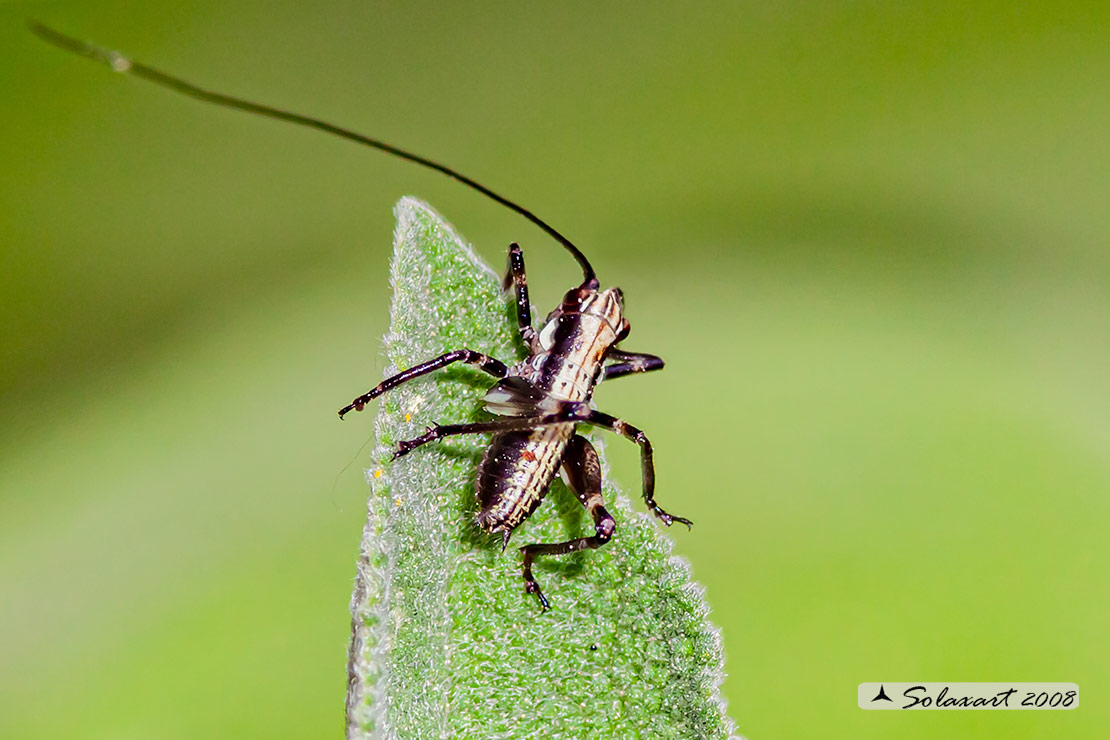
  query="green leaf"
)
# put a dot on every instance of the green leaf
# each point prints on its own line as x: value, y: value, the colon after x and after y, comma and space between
x: 446, y: 641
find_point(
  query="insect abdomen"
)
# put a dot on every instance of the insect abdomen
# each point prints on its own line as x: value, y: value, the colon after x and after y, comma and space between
x: 515, y: 473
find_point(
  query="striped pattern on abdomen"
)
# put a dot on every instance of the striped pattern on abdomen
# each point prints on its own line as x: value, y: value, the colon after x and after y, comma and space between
x: 516, y: 470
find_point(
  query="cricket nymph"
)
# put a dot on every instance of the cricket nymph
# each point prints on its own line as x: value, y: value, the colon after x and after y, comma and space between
x: 540, y: 402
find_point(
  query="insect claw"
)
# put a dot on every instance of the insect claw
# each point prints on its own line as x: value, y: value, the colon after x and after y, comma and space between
x: 669, y: 519
x: 505, y: 539
x: 356, y: 406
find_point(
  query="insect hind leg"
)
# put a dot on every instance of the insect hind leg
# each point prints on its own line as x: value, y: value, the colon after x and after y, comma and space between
x: 489, y: 364
x: 583, y: 471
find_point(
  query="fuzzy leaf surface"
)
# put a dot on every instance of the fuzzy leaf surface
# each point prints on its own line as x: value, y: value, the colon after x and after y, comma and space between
x: 446, y: 642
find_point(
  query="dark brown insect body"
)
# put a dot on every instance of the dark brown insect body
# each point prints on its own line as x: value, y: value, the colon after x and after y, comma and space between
x: 540, y: 401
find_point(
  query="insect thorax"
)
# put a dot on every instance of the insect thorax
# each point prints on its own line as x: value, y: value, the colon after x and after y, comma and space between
x: 568, y: 351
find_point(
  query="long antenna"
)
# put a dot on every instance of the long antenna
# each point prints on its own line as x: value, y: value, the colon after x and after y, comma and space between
x: 122, y: 64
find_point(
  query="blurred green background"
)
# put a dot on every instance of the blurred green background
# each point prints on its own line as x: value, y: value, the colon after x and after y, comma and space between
x: 869, y: 238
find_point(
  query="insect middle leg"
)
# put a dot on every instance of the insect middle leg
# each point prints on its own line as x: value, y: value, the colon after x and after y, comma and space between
x: 570, y: 412
x: 583, y: 469
x: 647, y: 463
x: 516, y: 277
x: 489, y: 364
x: 506, y: 424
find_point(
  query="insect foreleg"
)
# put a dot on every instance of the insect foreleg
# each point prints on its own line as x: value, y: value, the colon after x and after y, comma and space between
x: 516, y: 277
x: 630, y: 362
x: 491, y: 365
x: 583, y: 471
x: 647, y: 464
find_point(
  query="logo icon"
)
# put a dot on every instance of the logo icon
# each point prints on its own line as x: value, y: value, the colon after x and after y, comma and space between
x: 881, y: 696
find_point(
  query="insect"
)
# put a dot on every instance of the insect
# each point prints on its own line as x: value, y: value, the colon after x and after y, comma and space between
x: 538, y: 402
